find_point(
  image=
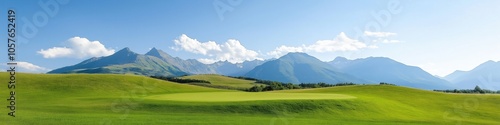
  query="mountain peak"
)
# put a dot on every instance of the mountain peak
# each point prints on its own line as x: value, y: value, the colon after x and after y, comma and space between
x: 381, y: 60
x: 125, y: 51
x: 489, y: 63
x: 300, y: 57
x: 158, y: 53
x: 153, y: 49
x: 295, y: 55
x: 340, y: 59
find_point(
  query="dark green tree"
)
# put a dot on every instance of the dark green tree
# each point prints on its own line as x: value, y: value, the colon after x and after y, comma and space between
x: 477, y: 89
x: 276, y: 86
x: 256, y: 88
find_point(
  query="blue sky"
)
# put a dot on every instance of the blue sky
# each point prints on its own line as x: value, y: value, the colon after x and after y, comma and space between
x: 438, y: 36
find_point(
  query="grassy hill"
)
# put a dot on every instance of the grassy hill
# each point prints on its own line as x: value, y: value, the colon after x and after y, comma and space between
x: 82, y: 99
x: 219, y: 80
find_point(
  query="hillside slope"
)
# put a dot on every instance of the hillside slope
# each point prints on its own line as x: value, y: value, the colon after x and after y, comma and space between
x: 219, y: 80
x: 82, y: 99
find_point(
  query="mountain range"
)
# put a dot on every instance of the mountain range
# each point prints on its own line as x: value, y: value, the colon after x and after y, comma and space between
x: 382, y: 69
x: 155, y: 62
x: 486, y: 75
x: 300, y: 68
x: 124, y: 62
x: 291, y: 68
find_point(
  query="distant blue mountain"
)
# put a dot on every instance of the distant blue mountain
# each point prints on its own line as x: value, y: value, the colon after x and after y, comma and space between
x: 300, y: 68
x: 486, y: 76
x: 381, y: 69
x: 234, y: 69
x: 455, y: 75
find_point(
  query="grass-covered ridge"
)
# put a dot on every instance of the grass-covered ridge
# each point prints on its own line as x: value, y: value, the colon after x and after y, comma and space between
x: 219, y: 80
x: 82, y: 99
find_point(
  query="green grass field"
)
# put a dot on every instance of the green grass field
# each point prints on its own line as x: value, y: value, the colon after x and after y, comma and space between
x: 245, y: 96
x: 219, y: 80
x: 84, y: 99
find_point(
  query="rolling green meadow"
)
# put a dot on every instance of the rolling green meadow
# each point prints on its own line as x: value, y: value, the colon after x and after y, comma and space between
x: 218, y: 80
x: 112, y: 99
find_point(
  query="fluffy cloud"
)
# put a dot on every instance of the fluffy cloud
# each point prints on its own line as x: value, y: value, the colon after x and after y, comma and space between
x: 282, y: 50
x: 339, y: 43
x: 27, y: 67
x: 234, y: 52
x: 381, y: 37
x: 78, y: 48
x: 379, y: 34
x: 231, y: 51
x: 194, y: 46
x: 390, y: 41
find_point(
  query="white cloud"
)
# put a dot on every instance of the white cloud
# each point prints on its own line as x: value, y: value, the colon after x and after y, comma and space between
x: 339, y: 43
x: 55, y: 52
x: 232, y: 50
x: 381, y: 37
x: 372, y: 47
x: 282, y: 50
x: 27, y: 67
x: 379, y: 34
x: 78, y: 48
x: 194, y: 46
x: 380, y: 40
x: 207, y: 61
x: 390, y: 41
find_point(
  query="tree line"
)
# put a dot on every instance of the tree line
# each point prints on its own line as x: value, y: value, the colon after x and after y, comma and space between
x: 476, y: 90
x: 385, y: 83
x: 180, y: 80
x: 273, y: 85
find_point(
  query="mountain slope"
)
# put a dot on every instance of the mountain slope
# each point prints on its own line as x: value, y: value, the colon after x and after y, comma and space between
x: 123, y: 62
x: 237, y: 69
x: 456, y: 74
x: 190, y: 65
x: 486, y: 75
x: 299, y: 68
x: 381, y: 69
